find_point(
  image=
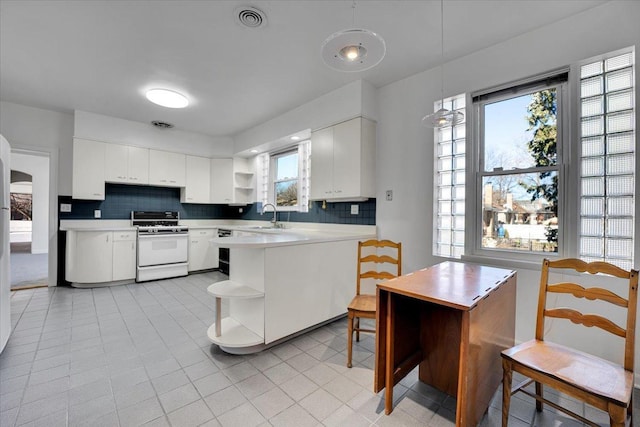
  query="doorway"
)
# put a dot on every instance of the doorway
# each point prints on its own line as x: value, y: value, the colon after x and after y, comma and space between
x: 29, y: 225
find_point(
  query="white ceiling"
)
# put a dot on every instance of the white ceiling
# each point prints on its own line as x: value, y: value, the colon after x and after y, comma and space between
x: 100, y: 56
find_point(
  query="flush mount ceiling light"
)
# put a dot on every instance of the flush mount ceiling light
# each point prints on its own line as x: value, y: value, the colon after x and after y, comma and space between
x: 167, y: 98
x: 295, y: 138
x: 354, y: 49
x: 443, y: 117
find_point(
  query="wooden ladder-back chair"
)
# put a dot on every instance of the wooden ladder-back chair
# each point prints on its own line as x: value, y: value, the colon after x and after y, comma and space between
x: 364, y: 305
x: 598, y: 382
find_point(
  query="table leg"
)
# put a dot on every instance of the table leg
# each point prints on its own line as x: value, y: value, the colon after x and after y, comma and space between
x: 390, y: 364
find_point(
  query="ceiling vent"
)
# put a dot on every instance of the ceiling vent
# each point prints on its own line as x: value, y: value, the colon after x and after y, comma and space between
x: 250, y: 17
x: 161, y: 125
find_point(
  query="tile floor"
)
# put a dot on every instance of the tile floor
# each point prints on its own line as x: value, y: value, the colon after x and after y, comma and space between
x: 138, y: 355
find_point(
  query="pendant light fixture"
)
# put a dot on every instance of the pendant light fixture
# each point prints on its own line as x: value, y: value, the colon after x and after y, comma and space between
x: 443, y: 117
x: 354, y: 49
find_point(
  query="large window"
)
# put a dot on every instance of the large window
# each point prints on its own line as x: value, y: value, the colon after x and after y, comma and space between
x: 533, y: 190
x: 518, y: 188
x: 607, y: 149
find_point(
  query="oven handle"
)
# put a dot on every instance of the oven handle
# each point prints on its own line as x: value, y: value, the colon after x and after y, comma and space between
x: 160, y: 236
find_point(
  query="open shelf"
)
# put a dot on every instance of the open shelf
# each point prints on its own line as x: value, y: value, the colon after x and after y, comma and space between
x: 231, y: 289
x: 233, y: 334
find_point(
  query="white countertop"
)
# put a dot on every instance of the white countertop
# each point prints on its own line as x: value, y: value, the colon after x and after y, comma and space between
x: 265, y: 238
x: 262, y: 235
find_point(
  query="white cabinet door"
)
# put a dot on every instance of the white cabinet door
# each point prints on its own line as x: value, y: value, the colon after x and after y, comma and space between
x: 124, y: 255
x: 202, y: 255
x: 346, y: 159
x: 198, y: 180
x: 116, y: 165
x: 138, y: 169
x: 166, y: 169
x: 88, y: 169
x: 343, y: 161
x: 126, y: 164
x: 222, y: 181
x: 322, y: 164
x: 93, y: 261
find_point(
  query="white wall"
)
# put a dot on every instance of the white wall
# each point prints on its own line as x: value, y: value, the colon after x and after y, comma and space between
x: 405, y: 148
x: 120, y: 131
x: 38, y: 167
x: 352, y: 100
x: 51, y: 133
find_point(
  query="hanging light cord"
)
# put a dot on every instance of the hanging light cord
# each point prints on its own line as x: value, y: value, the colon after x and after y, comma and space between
x: 353, y: 14
x: 442, y: 53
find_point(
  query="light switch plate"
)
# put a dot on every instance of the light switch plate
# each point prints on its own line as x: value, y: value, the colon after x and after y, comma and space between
x: 65, y: 207
x: 97, y: 213
x: 389, y: 195
x: 355, y: 209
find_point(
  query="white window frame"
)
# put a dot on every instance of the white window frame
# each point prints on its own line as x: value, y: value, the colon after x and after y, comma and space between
x: 267, y: 172
x: 475, y: 173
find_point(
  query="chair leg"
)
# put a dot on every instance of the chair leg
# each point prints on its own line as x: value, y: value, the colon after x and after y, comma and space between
x: 357, y: 329
x: 539, y: 392
x: 617, y: 416
x: 507, y: 376
x: 349, y: 338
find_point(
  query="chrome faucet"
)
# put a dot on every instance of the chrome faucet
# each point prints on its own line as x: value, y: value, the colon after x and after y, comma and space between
x: 274, y: 220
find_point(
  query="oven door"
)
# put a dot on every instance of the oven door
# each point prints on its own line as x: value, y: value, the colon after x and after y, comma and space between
x: 160, y: 249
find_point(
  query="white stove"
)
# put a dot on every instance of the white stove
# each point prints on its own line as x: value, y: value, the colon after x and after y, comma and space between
x: 163, y: 245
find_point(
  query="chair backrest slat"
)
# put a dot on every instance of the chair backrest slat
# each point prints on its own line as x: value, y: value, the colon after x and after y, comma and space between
x: 395, y: 263
x: 587, y: 320
x: 595, y: 293
x: 588, y: 293
x: 379, y: 259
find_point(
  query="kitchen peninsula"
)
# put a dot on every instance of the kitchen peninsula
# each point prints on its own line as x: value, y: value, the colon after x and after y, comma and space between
x: 282, y: 282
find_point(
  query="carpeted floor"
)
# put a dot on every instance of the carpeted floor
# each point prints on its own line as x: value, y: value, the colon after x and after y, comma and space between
x: 27, y: 270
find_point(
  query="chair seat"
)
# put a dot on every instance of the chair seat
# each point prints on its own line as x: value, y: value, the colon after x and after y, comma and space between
x: 363, y: 304
x: 575, y: 368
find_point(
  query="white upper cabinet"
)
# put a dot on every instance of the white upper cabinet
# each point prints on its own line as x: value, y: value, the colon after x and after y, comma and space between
x: 167, y: 169
x: 138, y: 165
x: 126, y: 164
x: 321, y: 164
x: 343, y: 161
x: 221, y: 181
x: 198, y: 181
x: 88, y: 169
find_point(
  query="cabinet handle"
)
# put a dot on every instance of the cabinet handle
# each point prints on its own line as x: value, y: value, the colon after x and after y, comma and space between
x: 132, y: 246
x: 163, y: 180
x: 172, y: 181
x: 107, y: 237
x: 97, y: 194
x: 338, y: 191
x: 133, y: 178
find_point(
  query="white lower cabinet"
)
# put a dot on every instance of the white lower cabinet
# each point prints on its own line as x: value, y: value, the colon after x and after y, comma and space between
x: 202, y: 255
x: 124, y: 255
x: 89, y: 256
x: 100, y: 257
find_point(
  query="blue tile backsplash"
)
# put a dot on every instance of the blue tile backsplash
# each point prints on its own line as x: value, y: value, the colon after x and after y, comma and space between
x: 121, y: 199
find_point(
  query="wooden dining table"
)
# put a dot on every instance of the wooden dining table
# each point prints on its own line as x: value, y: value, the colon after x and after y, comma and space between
x: 452, y: 320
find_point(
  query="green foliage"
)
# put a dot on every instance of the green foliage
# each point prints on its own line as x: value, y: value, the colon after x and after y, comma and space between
x: 543, y: 148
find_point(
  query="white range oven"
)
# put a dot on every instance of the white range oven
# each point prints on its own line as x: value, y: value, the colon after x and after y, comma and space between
x: 163, y: 245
